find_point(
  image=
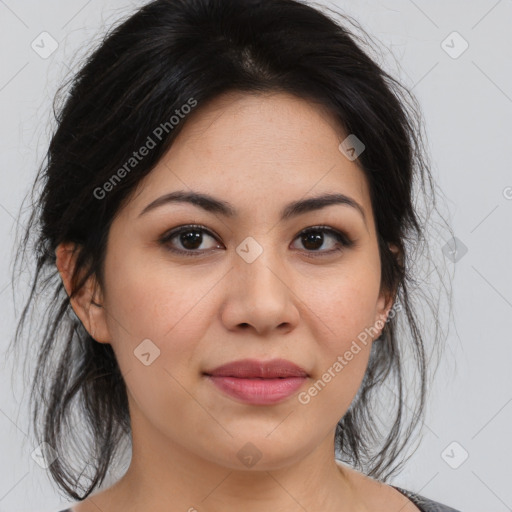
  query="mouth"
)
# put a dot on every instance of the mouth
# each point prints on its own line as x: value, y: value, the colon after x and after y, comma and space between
x: 253, y: 368
x: 258, y: 382
x: 257, y: 391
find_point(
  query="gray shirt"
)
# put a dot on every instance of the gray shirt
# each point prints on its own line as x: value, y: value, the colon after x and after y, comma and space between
x: 424, y: 504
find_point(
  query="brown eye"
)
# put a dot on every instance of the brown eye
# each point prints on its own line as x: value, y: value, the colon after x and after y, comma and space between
x: 312, y: 239
x: 189, y: 240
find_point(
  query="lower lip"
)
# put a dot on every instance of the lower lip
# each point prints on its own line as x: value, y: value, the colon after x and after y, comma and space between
x: 258, y: 391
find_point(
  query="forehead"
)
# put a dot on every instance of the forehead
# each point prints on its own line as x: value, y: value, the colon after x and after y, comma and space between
x: 254, y: 150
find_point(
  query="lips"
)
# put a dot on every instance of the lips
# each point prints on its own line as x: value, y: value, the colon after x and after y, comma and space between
x: 258, y: 382
x: 254, y: 369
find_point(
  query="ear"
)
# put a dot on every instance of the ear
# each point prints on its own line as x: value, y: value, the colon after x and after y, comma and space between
x: 87, y: 304
x: 386, y: 299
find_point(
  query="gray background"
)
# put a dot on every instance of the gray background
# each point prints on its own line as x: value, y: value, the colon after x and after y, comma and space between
x: 467, y: 104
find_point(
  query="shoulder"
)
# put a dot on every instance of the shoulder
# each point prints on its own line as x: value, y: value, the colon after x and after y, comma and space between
x: 425, y: 504
x: 377, y: 493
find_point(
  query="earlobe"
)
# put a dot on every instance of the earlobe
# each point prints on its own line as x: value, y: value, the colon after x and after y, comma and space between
x: 85, y: 303
x: 385, y: 304
x: 98, y: 320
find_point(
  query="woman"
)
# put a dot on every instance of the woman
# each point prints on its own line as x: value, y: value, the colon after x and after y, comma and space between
x: 228, y: 223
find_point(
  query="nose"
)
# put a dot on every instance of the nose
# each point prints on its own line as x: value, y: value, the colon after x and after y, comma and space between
x: 260, y: 296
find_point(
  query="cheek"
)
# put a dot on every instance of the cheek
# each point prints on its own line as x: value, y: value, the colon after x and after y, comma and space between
x: 343, y: 345
x: 152, y: 297
x: 148, y: 301
x: 172, y: 312
x: 344, y: 306
x: 344, y: 309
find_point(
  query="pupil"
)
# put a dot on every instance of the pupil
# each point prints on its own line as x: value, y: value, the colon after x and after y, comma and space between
x: 190, y: 238
x: 313, y: 238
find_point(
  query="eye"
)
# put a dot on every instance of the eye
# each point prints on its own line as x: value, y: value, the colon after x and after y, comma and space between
x: 189, y: 237
x: 192, y: 236
x: 313, y: 239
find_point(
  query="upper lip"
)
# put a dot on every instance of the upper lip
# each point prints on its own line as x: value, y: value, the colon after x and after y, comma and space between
x: 252, y: 368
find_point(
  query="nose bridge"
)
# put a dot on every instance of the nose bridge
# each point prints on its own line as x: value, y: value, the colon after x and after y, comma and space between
x: 258, y: 266
x: 260, y: 293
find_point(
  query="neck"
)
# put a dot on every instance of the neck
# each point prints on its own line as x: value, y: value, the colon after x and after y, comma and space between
x: 165, y: 475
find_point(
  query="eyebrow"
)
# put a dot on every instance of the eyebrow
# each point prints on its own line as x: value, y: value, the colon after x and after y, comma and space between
x: 218, y: 206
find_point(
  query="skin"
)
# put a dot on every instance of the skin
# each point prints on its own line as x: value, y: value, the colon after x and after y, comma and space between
x: 208, y: 310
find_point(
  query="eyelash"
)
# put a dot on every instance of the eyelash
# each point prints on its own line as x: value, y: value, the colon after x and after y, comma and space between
x: 340, y: 237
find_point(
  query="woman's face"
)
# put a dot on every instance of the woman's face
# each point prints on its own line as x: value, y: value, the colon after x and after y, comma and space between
x: 244, y: 286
